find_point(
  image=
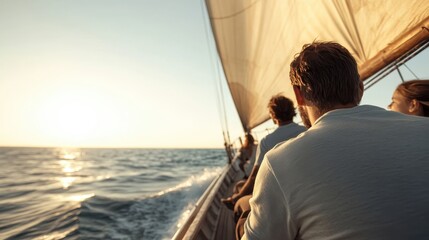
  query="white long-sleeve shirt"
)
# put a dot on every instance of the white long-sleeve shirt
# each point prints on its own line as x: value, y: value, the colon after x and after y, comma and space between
x: 357, y: 173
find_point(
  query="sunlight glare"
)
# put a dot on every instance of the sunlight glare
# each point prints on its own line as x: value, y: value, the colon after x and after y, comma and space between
x: 67, y: 181
x: 69, y: 156
x: 71, y: 116
x: 69, y: 167
x: 81, y: 198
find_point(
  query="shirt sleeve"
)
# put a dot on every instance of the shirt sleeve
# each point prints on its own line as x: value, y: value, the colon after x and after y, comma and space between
x: 270, y: 217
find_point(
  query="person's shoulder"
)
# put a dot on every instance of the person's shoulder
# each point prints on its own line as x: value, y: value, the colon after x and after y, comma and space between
x: 287, y: 131
x: 297, y: 126
x: 289, y: 146
x: 263, y: 142
x: 294, y: 128
x: 395, y: 117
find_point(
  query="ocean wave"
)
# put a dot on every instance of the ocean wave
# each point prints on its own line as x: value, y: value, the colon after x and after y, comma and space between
x: 41, y: 222
x: 140, y: 218
x: 101, y: 193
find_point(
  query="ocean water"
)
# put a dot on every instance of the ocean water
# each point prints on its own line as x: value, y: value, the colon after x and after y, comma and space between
x: 54, y: 193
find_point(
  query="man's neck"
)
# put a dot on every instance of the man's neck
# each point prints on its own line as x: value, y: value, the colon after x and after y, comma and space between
x: 315, y: 113
x: 284, y: 123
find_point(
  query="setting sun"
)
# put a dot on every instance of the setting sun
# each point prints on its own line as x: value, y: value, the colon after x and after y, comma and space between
x: 70, y: 116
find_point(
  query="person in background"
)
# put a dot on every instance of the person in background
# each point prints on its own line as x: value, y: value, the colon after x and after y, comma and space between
x: 282, y: 111
x: 411, y: 98
x: 246, y: 151
x: 358, y: 172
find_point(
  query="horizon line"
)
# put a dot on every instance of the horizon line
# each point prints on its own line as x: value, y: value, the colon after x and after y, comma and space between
x: 107, y: 147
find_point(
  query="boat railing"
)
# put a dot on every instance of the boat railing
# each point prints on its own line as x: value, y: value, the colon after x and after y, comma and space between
x: 204, y: 218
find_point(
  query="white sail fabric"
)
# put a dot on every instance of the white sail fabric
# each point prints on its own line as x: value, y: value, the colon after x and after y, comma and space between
x: 257, y: 40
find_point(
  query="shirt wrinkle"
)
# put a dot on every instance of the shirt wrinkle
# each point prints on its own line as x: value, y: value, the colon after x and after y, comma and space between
x: 270, y: 168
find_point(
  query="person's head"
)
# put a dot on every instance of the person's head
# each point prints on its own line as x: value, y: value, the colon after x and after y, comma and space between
x: 324, y: 76
x: 248, y: 140
x: 411, y: 98
x: 281, y: 109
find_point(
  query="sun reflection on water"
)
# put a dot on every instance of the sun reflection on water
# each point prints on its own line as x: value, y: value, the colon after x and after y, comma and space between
x: 69, y: 154
x: 67, y: 181
x: 70, y: 163
x: 70, y: 166
x: 80, y: 198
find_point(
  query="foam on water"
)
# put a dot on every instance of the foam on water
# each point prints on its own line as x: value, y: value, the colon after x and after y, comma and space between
x: 193, y: 180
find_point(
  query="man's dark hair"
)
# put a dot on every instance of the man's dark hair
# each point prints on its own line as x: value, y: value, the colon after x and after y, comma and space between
x: 326, y: 74
x: 281, y: 108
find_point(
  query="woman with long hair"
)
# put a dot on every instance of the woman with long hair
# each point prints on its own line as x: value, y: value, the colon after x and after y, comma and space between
x: 411, y: 97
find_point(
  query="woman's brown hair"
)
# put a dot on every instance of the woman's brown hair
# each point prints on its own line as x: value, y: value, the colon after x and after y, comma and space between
x: 418, y: 90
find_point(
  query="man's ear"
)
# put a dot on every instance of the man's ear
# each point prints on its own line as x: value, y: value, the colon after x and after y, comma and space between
x: 298, y: 95
x: 414, y: 106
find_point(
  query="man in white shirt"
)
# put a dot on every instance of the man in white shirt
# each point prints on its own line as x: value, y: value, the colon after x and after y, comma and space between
x: 359, y: 172
x: 281, y: 111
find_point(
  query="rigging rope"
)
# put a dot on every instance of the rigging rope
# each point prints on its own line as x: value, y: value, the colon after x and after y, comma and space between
x: 391, y: 67
x: 218, y: 84
x: 411, y: 71
x: 399, y: 72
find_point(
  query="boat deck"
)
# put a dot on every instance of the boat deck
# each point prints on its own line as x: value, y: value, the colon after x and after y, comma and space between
x: 226, y: 223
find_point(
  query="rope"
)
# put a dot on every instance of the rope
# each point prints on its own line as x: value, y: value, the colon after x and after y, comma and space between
x: 219, y: 93
x: 411, y: 71
x: 391, y: 67
x: 221, y: 107
x: 399, y: 72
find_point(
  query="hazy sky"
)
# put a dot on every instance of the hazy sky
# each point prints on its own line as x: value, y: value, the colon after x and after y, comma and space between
x: 105, y: 73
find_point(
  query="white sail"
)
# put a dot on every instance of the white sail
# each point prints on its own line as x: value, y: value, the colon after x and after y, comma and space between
x: 257, y: 39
